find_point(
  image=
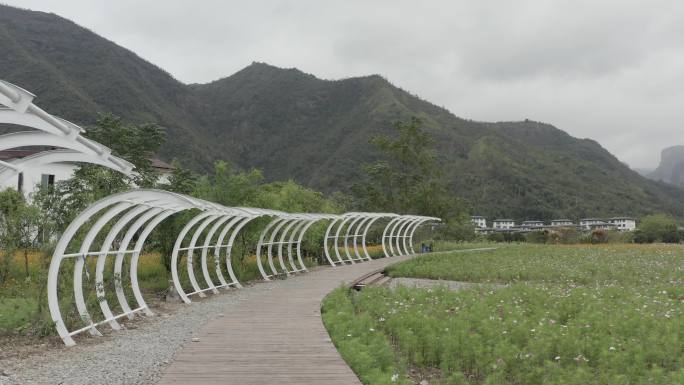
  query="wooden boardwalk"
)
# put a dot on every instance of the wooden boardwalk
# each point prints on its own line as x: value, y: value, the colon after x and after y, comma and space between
x: 276, y: 337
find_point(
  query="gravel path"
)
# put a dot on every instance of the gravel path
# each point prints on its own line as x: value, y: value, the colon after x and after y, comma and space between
x: 132, y: 356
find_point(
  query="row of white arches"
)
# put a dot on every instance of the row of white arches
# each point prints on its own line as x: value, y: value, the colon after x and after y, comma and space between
x: 119, y: 225
x: 17, y: 108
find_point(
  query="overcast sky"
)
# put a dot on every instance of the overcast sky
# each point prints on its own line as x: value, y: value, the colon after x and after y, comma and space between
x: 612, y: 71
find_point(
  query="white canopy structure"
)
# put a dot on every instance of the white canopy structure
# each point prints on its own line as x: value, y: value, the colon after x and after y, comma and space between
x: 51, y: 132
x: 120, y: 224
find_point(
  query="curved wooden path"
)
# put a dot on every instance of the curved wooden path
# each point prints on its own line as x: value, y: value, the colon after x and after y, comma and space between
x: 277, y: 337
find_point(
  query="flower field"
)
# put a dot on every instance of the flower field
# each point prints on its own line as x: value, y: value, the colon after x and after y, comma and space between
x: 568, y: 315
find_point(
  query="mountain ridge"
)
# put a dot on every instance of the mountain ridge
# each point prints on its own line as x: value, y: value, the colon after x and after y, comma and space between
x: 293, y: 125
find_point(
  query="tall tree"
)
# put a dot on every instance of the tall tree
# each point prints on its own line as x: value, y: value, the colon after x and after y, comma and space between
x: 408, y: 178
x: 135, y: 143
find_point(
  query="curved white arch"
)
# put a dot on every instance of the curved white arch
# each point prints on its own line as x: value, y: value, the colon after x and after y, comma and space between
x: 282, y: 241
x: 55, y: 156
x: 398, y: 235
x: 326, y: 247
x: 113, y: 204
x: 386, y: 234
x: 261, y: 243
x: 40, y: 138
x: 306, y: 227
x: 205, y: 251
x: 118, y: 262
x: 52, y: 131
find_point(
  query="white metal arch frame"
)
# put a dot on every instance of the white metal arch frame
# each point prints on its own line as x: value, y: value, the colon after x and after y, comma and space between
x: 236, y: 218
x: 163, y: 205
x: 123, y: 216
x: 356, y: 226
x: 53, y: 132
x: 397, y: 238
x: 115, y: 220
x: 299, y: 238
x: 276, y: 234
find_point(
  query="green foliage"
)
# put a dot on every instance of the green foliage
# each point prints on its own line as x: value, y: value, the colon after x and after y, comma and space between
x: 408, y: 179
x: 20, y: 225
x: 658, y: 228
x: 506, y: 237
x: 569, y: 315
x: 182, y: 180
x: 135, y: 143
x: 579, y: 264
x: 366, y: 349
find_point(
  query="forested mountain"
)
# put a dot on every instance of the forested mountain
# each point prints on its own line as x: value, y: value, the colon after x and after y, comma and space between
x: 294, y: 125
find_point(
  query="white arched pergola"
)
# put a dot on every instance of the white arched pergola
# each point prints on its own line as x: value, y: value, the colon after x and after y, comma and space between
x: 285, y: 231
x: 397, y: 238
x: 118, y: 226
x: 51, y: 132
x: 348, y: 232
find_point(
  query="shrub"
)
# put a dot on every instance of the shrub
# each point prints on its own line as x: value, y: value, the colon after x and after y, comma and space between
x: 537, y: 236
x: 658, y: 228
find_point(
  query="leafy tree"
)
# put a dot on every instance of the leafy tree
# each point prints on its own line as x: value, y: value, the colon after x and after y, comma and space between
x: 657, y: 228
x: 230, y: 186
x: 182, y: 180
x: 135, y: 143
x: 19, y: 229
x: 408, y: 178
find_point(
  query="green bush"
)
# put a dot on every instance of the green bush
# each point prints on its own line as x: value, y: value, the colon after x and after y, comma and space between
x: 658, y: 228
x: 537, y: 236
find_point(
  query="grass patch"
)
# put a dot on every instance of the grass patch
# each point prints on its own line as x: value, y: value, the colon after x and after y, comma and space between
x: 571, y: 315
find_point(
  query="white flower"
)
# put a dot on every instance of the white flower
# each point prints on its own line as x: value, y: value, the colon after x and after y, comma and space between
x: 349, y: 335
x: 557, y: 358
x: 381, y: 319
x: 612, y: 348
x: 395, y: 377
x: 371, y: 329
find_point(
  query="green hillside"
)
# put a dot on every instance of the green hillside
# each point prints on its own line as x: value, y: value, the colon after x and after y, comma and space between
x: 294, y: 125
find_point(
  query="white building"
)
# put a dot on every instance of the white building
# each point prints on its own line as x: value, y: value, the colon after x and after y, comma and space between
x: 29, y: 179
x: 623, y: 223
x: 601, y: 225
x: 503, y: 224
x: 562, y: 223
x: 532, y: 224
x: 479, y: 222
x: 32, y: 178
x: 586, y: 223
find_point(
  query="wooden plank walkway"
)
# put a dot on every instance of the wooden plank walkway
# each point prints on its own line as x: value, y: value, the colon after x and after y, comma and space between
x: 276, y: 337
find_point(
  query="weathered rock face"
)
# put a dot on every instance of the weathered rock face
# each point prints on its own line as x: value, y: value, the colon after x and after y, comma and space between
x: 671, y: 168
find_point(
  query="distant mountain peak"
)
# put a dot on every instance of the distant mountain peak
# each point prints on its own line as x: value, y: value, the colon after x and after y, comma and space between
x: 671, y: 167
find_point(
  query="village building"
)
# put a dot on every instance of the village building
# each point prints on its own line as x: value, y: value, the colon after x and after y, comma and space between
x: 31, y: 179
x: 562, y: 223
x: 479, y: 222
x: 586, y: 223
x: 623, y: 223
x: 503, y: 224
x: 533, y: 224
x: 601, y: 225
